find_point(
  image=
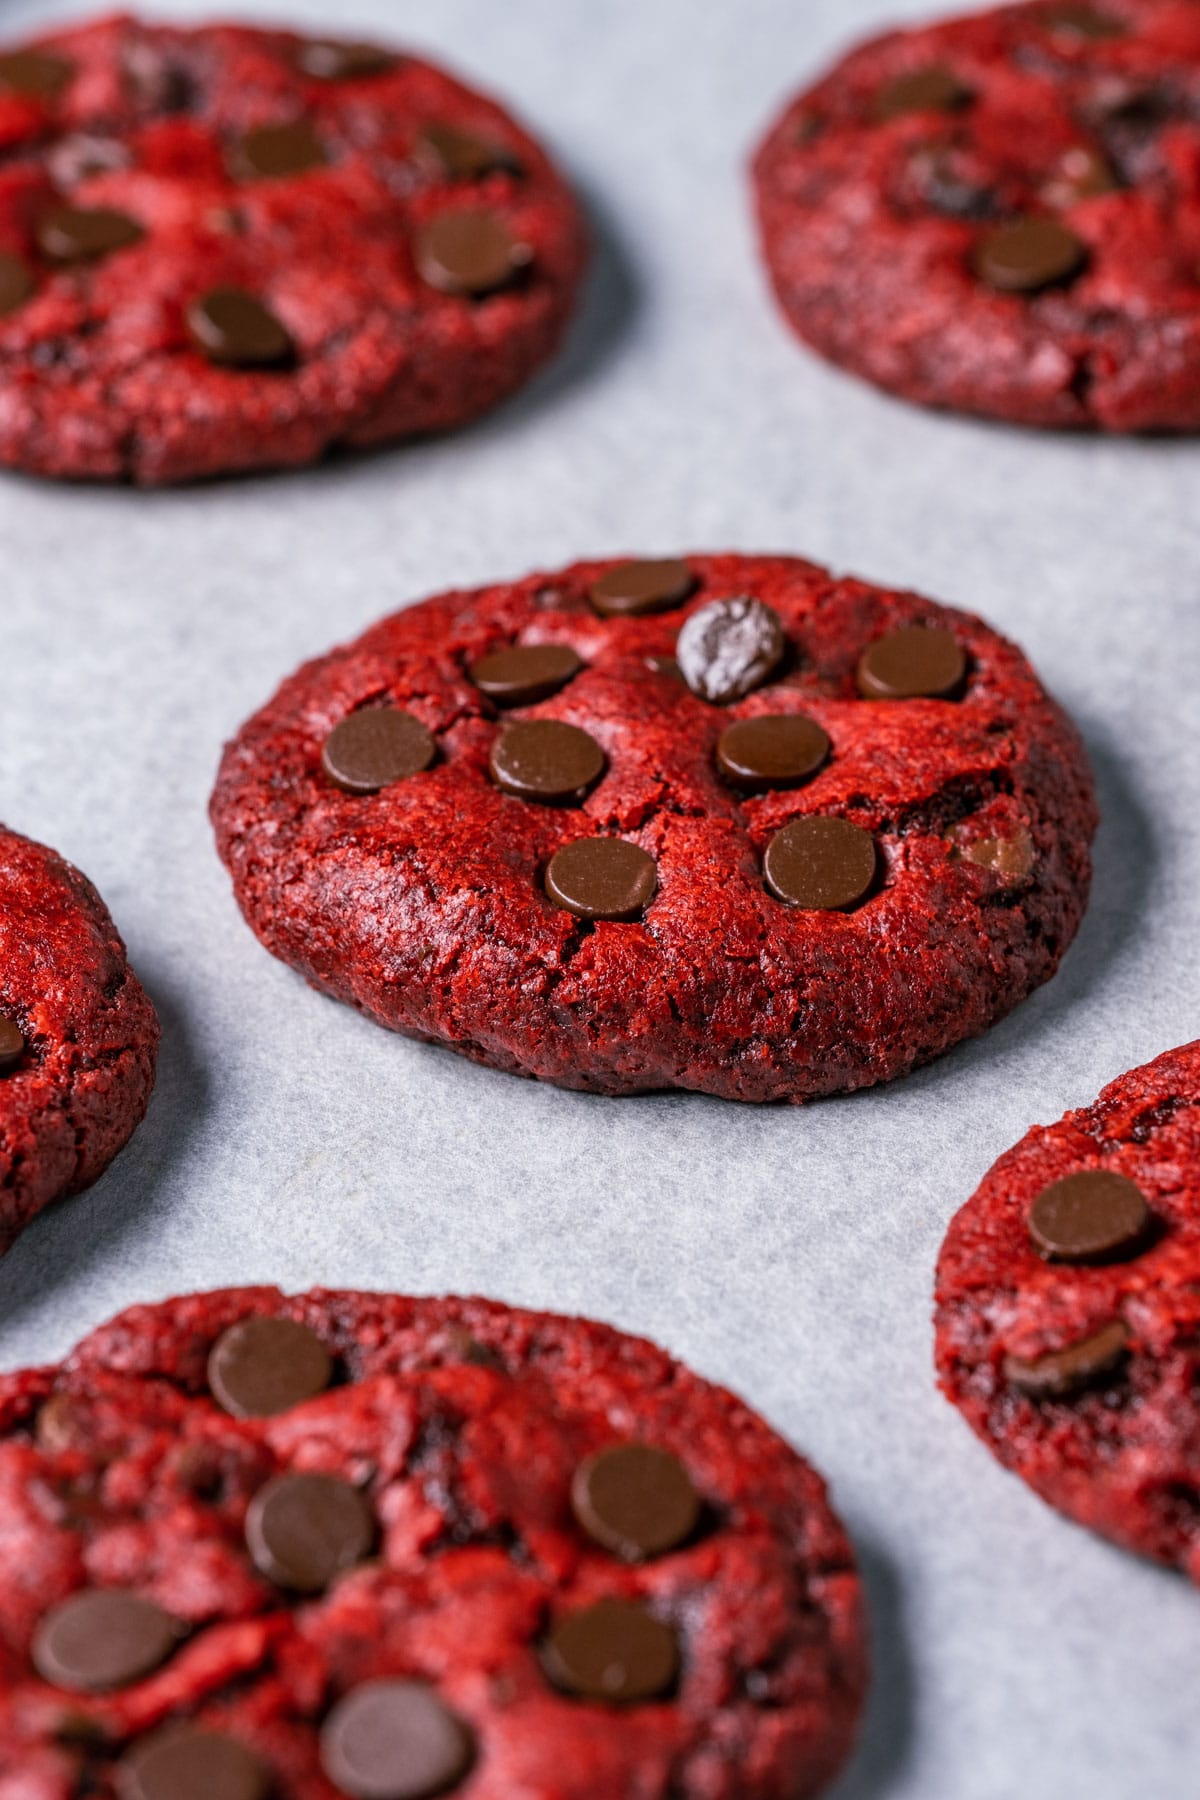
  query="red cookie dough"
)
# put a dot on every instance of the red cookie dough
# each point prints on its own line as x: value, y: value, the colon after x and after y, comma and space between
x: 78, y: 1035
x: 425, y: 904
x: 1114, y: 1444
x: 324, y: 223
x: 460, y: 1429
x: 881, y: 189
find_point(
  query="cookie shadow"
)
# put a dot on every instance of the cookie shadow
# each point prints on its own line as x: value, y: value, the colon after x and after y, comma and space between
x: 886, y: 1734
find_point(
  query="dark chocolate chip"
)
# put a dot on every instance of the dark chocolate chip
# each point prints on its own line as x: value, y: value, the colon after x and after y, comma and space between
x: 821, y: 864
x: 602, y: 878
x: 636, y: 1501
x: 186, y: 1763
x: 1083, y: 22
x: 233, y: 327
x: 329, y: 60
x: 634, y: 588
x: 1082, y: 174
x: 1029, y: 254
x: 729, y: 648
x: 1091, y: 1217
x: 82, y: 155
x: 303, y: 1530
x: 776, y: 750
x: 372, y: 749
x: 17, y: 282
x: 546, y: 761
x: 12, y: 1045
x: 614, y: 1651
x: 933, y: 89
x: 102, y: 1639
x: 469, y: 251
x: 263, y: 1365
x: 1012, y: 857
x: 450, y: 154
x: 525, y: 673
x: 1066, y: 1372
x: 39, y: 74
x: 917, y: 663
x: 77, y: 234
x: 276, y: 150
x: 395, y: 1740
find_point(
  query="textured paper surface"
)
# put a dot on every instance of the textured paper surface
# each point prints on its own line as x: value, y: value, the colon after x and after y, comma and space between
x: 787, y: 1253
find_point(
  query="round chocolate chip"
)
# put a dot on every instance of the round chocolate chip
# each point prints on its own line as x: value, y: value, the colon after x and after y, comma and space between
x: 525, y: 673
x: 635, y: 1500
x: 450, y: 154
x: 230, y: 326
x: 78, y: 234
x: 262, y: 1366
x: 303, y: 1530
x: 933, y: 89
x: 729, y: 648
x: 1066, y: 1372
x: 469, y: 251
x: 821, y: 864
x: 326, y: 59
x: 546, y: 761
x: 1083, y: 22
x: 614, y: 1651
x: 372, y: 749
x: 777, y: 750
x: 12, y: 1045
x: 39, y: 74
x: 634, y: 588
x: 917, y: 663
x: 1090, y: 1217
x: 602, y: 878
x: 1029, y: 254
x: 103, y: 1639
x: 1012, y: 857
x: 395, y: 1740
x: 16, y: 282
x: 276, y: 150
x: 189, y: 1764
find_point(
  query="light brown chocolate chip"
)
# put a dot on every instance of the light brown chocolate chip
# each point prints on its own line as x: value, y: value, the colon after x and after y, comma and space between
x: 934, y: 89
x: 775, y: 750
x: 12, y: 1045
x: 1012, y: 857
x: 451, y: 154
x: 78, y: 234
x: 469, y: 251
x: 546, y: 761
x: 262, y: 1366
x: 103, y: 1639
x: 636, y: 1501
x: 1066, y: 1372
x: 304, y: 1530
x: 272, y: 151
x: 632, y: 589
x: 1029, y: 254
x: 39, y: 74
x: 395, y: 1740
x: 525, y: 673
x: 730, y: 647
x: 916, y: 663
x: 602, y: 878
x: 185, y: 1763
x: 614, y: 1651
x: 1090, y: 1217
x: 1083, y: 22
x: 232, y: 327
x: 1082, y: 174
x: 371, y: 749
x: 327, y: 59
x: 821, y: 864
x: 17, y: 283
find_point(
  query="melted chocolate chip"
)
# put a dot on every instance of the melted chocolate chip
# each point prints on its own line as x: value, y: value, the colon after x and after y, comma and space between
x: 103, y: 1639
x: 76, y: 234
x: 602, y: 878
x: 729, y: 648
x: 186, y: 1763
x: 304, y: 1530
x: 17, y: 283
x: 614, y: 1651
x: 634, y: 588
x: 525, y: 673
x: 39, y: 74
x: 371, y: 749
x: 233, y: 327
x: 1064, y: 1373
x: 913, y: 664
x: 470, y: 252
x: 546, y: 761
x: 262, y: 1366
x: 395, y: 1740
x: 821, y: 864
x: 1090, y: 1217
x: 272, y: 151
x: 12, y: 1045
x: 326, y: 59
x: 776, y: 750
x: 451, y: 154
x: 921, y: 90
x: 1083, y: 22
x: 636, y: 1501
x: 1029, y: 254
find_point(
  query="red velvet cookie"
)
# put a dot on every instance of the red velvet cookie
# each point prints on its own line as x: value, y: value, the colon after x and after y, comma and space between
x: 1068, y: 1311
x: 504, y: 821
x: 357, y: 1545
x: 78, y: 1035
x: 229, y: 249
x: 1001, y: 213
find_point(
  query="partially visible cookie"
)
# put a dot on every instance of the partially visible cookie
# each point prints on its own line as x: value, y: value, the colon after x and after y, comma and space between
x: 357, y: 1545
x: 78, y: 1035
x: 1068, y: 1311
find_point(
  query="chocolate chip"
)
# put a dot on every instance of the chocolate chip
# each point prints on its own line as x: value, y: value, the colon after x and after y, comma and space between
x: 1084, y: 22
x: 1012, y: 857
x: 230, y: 326
x: 103, y: 1639
x: 1082, y: 174
x: 395, y: 1740
x: 12, y: 1045
x: 1066, y: 1372
x: 1029, y: 254
x: 1090, y: 1217
x: 263, y: 1365
x: 614, y: 1651
x: 934, y: 89
x: 917, y: 663
x: 82, y: 155
x: 776, y: 750
x: 372, y: 749
x: 525, y: 673
x: 469, y: 251
x: 821, y: 864
x: 328, y: 60
x: 636, y: 1501
x: 190, y: 1764
x: 40, y: 74
x: 77, y: 234
x: 450, y: 154
x: 276, y: 150
x: 546, y: 761
x: 602, y: 878
x: 634, y: 588
x: 729, y: 648
x: 303, y: 1530
x: 16, y: 282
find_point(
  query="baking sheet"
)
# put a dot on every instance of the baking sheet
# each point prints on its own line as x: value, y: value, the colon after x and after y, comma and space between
x: 787, y: 1253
